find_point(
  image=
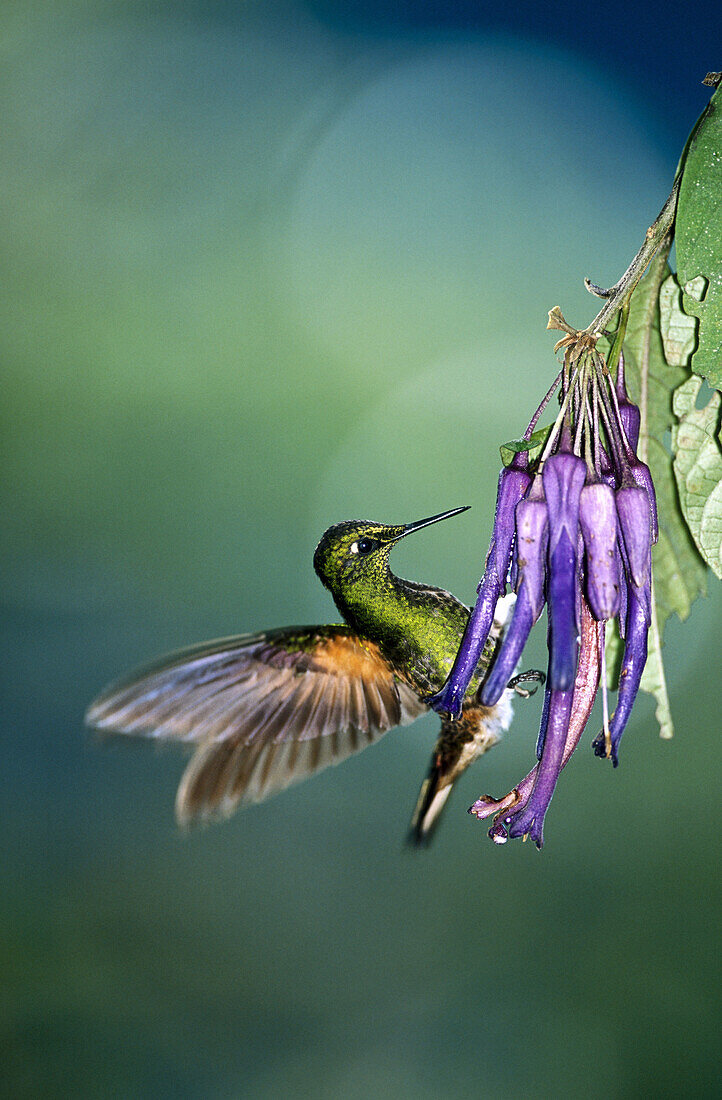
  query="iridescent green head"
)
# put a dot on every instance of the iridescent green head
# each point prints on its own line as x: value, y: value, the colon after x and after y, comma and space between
x: 355, y: 553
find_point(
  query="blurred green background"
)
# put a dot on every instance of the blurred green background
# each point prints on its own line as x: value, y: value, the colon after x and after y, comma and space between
x: 267, y: 267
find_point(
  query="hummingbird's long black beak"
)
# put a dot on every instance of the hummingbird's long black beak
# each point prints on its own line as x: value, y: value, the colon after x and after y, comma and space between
x: 410, y: 527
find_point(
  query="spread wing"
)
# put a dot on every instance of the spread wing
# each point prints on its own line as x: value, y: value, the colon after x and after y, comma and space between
x: 262, y: 711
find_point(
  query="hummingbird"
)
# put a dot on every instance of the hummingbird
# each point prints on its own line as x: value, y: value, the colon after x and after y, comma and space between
x: 263, y: 711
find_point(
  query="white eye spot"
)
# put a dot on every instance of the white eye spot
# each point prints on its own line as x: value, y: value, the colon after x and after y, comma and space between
x: 354, y: 548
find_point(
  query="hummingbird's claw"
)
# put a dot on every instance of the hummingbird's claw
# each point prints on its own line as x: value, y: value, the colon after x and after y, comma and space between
x: 531, y: 676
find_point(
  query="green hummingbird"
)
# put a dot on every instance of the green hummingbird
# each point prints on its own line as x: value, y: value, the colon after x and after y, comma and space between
x: 263, y: 711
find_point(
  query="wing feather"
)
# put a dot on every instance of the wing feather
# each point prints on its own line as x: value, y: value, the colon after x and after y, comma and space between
x: 262, y: 711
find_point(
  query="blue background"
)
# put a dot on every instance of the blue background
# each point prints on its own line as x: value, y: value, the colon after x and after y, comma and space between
x: 267, y: 267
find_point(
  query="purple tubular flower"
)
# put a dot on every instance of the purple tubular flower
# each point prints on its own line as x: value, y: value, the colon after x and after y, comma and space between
x: 563, y: 477
x: 598, y: 520
x: 531, y: 540
x: 530, y: 818
x: 635, y: 521
x: 633, y: 662
x: 513, y: 484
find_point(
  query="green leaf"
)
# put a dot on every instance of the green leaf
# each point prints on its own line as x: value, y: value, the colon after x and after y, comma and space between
x: 678, y: 570
x: 679, y: 331
x: 698, y: 238
x: 534, y: 446
x: 697, y: 446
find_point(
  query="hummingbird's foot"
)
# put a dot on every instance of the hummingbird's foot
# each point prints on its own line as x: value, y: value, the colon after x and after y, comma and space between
x: 446, y: 702
x: 531, y: 676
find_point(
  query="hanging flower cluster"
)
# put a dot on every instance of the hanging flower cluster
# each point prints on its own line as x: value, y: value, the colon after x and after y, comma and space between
x: 573, y: 530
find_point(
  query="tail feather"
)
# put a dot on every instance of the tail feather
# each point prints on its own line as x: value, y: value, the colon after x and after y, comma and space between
x: 459, y: 744
x: 429, y: 806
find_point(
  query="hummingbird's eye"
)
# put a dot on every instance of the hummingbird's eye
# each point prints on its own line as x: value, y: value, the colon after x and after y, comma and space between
x: 364, y: 546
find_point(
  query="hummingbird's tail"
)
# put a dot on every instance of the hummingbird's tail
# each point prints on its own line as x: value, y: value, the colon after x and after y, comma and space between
x: 460, y: 743
x: 433, y: 795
